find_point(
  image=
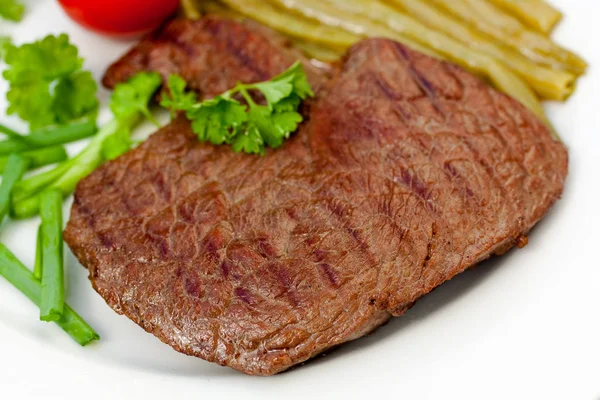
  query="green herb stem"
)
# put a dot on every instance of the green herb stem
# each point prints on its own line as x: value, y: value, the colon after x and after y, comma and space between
x: 21, y: 278
x: 91, y: 157
x: 53, y: 293
x: 15, y: 168
x: 12, y: 10
x: 241, y: 89
x: 39, y: 157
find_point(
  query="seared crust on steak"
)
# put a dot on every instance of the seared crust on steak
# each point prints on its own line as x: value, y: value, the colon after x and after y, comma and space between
x: 212, y: 55
x: 408, y: 171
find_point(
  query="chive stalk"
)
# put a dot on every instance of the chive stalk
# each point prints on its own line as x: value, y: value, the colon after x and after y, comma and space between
x: 48, y: 137
x: 53, y: 294
x: 21, y: 278
x: 16, y: 166
x: 35, y: 184
x: 39, y: 157
x: 11, y: 133
x: 65, y: 176
x: 37, y: 266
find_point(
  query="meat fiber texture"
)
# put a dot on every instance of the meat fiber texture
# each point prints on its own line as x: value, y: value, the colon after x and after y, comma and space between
x: 407, y: 171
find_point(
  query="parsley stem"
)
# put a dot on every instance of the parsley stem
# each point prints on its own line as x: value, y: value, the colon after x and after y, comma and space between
x: 39, y: 157
x: 21, y: 278
x: 241, y: 89
x: 53, y: 292
x: 15, y: 168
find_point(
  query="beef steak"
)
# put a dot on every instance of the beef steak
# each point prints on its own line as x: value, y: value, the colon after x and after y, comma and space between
x: 408, y: 171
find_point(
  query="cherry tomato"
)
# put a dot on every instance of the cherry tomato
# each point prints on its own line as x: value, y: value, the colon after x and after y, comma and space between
x: 119, y: 17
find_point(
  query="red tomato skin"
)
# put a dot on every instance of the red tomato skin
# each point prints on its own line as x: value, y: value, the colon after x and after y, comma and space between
x: 119, y: 17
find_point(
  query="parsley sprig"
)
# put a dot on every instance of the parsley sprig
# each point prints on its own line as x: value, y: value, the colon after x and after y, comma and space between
x: 47, y: 83
x: 246, y: 127
x: 12, y: 10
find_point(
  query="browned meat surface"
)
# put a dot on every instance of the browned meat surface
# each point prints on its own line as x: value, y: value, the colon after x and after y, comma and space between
x: 212, y: 55
x: 409, y: 171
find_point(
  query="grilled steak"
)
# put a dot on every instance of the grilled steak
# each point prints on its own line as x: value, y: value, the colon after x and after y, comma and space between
x: 408, y: 171
x: 212, y: 55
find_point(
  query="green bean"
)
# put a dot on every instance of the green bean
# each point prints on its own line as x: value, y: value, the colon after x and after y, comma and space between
x: 376, y: 19
x: 547, y: 83
x: 23, y: 280
x: 190, y: 9
x: 510, y: 32
x: 39, y: 157
x: 53, y: 291
x: 317, y: 51
x: 15, y: 168
x: 217, y: 8
x: 335, y: 17
x: 301, y: 28
x: 537, y: 14
x: 48, y: 137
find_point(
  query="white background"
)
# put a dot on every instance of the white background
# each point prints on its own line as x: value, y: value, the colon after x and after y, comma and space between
x: 525, y: 326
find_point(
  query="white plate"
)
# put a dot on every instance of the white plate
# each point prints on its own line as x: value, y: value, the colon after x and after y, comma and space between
x: 524, y: 326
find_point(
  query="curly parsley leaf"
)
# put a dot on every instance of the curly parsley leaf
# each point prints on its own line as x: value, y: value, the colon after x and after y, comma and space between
x: 74, y: 97
x: 246, y: 127
x: 292, y: 81
x: 134, y: 95
x: 47, y: 85
x: 11, y: 10
x: 128, y: 100
x: 274, y: 127
x: 179, y: 99
x: 50, y: 58
x: 249, y: 141
x: 275, y: 90
x: 217, y: 120
x: 290, y: 103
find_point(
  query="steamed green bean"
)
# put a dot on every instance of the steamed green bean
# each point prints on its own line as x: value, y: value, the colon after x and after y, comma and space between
x: 537, y: 14
x: 509, y: 31
x: 370, y: 18
x: 547, y: 83
x: 296, y: 27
